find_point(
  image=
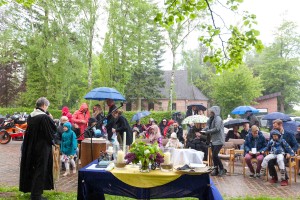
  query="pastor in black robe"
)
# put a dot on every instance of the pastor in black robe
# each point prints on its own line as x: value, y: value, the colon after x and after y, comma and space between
x: 122, y: 126
x: 36, y: 155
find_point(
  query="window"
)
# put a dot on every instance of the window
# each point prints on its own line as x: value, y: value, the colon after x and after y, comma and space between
x: 128, y: 106
x: 173, y: 106
x: 151, y: 106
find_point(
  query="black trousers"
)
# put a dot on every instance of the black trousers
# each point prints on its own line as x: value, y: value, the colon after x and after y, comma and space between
x: 272, y: 170
x: 215, y: 156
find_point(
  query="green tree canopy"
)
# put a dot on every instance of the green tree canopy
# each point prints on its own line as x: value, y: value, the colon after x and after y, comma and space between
x: 235, y: 88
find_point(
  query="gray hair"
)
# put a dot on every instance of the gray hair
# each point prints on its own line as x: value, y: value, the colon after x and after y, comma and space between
x: 41, y: 102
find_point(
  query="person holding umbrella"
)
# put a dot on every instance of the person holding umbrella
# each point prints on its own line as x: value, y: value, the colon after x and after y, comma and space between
x: 234, y: 133
x: 192, y: 111
x: 215, y: 128
x: 139, y: 126
x: 252, y: 119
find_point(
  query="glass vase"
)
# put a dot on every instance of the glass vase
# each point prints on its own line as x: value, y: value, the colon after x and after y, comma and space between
x: 145, y: 167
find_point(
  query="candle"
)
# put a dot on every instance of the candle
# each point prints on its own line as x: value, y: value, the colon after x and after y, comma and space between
x: 120, y: 157
x: 133, y: 138
x: 124, y: 141
x: 167, y: 158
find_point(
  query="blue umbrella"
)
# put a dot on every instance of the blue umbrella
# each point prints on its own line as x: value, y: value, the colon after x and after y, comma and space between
x: 104, y: 93
x: 139, y: 115
x: 277, y: 115
x: 291, y: 126
x: 243, y: 109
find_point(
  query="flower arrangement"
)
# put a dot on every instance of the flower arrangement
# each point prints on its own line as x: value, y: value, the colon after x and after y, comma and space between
x: 145, y: 153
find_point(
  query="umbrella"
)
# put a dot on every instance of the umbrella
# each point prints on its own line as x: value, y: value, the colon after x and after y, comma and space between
x: 233, y: 122
x: 277, y: 115
x: 291, y: 126
x: 243, y: 109
x: 103, y: 93
x: 195, y: 119
x: 139, y: 115
x: 199, y: 107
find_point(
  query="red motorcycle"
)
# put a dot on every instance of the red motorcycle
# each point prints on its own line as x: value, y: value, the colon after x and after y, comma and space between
x: 12, y: 128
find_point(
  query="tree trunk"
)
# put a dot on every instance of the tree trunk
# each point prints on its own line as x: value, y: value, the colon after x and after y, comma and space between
x: 172, y: 79
x: 139, y: 104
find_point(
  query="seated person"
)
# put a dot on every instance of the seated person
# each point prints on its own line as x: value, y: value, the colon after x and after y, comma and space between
x: 174, y: 142
x: 177, y: 129
x: 137, y: 134
x: 245, y: 130
x: 155, y: 135
x: 198, y: 142
x: 140, y: 126
x: 91, y: 131
x: 277, y: 147
x: 254, y: 141
x: 234, y: 134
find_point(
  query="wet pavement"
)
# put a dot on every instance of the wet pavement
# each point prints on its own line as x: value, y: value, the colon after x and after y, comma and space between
x: 230, y: 186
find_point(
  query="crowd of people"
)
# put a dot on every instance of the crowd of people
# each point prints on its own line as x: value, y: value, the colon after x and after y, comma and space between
x: 71, y: 129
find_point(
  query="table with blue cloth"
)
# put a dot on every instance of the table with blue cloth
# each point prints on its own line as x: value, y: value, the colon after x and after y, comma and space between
x: 129, y: 182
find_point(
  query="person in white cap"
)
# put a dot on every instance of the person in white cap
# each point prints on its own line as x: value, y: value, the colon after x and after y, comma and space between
x: 174, y: 142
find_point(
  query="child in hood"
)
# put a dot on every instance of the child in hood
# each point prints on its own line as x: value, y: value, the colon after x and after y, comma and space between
x: 68, y: 148
x: 174, y: 142
x: 277, y: 147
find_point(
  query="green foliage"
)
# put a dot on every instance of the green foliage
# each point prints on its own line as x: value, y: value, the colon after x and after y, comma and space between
x: 278, y: 66
x: 232, y: 51
x: 234, y: 88
x: 132, y: 50
x: 156, y: 115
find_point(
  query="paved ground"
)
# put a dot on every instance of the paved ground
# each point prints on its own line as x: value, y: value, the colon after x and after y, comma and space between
x: 230, y: 186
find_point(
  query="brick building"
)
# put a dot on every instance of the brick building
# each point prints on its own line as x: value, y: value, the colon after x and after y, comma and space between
x: 268, y: 103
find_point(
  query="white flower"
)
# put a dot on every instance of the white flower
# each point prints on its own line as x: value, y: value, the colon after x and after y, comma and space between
x: 146, y: 151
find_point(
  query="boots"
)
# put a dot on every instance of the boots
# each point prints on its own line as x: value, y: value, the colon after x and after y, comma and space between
x: 222, y: 172
x: 215, y: 172
x: 67, y: 172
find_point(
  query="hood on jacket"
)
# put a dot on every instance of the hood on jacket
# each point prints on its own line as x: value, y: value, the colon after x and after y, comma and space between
x: 275, y: 132
x: 68, y: 125
x: 170, y: 122
x: 83, y: 106
x: 216, y: 110
x: 65, y: 110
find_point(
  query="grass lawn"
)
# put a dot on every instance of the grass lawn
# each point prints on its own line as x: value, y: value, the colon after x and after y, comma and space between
x: 12, y: 193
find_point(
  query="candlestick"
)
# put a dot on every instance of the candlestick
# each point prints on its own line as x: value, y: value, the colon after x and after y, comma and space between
x: 167, y: 158
x: 120, y: 157
x: 124, y: 141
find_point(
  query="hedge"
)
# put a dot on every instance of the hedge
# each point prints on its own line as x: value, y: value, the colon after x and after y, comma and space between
x: 156, y: 115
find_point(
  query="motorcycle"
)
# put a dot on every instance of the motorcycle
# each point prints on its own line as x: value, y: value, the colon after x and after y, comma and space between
x: 12, y: 128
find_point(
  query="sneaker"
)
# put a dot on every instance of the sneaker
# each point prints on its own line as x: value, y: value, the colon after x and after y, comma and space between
x: 252, y: 175
x: 222, y: 172
x: 258, y: 175
x: 273, y: 180
x: 284, y: 183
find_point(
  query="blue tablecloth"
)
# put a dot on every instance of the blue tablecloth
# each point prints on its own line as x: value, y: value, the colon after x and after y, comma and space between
x: 93, y: 184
